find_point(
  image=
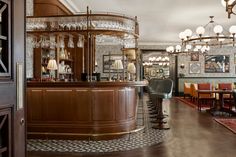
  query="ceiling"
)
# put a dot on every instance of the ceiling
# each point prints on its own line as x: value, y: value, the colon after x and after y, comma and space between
x: 161, y: 21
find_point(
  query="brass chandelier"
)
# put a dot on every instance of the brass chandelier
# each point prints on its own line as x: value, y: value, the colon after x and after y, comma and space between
x: 229, y: 6
x: 212, y: 34
x: 187, y: 49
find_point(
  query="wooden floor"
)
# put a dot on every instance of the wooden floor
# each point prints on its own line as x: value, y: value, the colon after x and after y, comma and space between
x: 194, y: 135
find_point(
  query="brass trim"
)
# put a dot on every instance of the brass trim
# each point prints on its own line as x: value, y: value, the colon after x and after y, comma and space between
x: 88, y: 134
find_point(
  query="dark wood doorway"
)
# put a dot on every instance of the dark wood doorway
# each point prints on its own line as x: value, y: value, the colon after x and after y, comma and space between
x: 12, y: 78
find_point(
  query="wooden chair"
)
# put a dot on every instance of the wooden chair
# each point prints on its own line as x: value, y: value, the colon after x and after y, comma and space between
x: 226, y: 97
x: 205, y: 98
x: 193, y: 88
x: 187, y: 89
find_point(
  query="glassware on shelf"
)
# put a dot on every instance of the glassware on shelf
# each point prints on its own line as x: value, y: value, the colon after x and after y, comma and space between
x: 80, y: 42
x: 71, y: 42
x: 52, y: 41
x: 61, y: 42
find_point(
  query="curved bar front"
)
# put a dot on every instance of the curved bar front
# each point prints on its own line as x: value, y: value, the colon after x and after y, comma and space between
x: 81, y: 109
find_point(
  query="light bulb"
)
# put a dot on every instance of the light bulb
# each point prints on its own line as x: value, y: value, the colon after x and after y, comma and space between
x: 218, y: 29
x: 232, y: 29
x: 200, y: 30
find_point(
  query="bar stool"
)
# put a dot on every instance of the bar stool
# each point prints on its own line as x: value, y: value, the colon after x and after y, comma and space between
x: 163, y: 91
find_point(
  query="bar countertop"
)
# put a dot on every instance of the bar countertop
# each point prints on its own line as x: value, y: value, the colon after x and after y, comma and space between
x: 88, y: 84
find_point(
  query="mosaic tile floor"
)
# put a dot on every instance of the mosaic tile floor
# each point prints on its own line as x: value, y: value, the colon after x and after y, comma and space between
x: 144, y: 138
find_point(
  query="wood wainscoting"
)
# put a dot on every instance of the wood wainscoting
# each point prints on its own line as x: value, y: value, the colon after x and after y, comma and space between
x: 75, y: 112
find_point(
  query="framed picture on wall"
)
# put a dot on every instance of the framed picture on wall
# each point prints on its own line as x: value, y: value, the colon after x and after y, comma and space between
x: 194, y: 56
x: 194, y: 68
x: 217, y: 64
x: 108, y: 63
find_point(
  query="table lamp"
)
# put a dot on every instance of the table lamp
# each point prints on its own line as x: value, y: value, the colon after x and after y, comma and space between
x: 118, y: 65
x: 131, y: 69
x: 52, y: 66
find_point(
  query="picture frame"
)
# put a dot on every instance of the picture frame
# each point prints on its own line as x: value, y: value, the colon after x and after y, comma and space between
x: 195, y: 68
x: 108, y: 63
x: 153, y: 73
x: 217, y: 64
x: 194, y: 56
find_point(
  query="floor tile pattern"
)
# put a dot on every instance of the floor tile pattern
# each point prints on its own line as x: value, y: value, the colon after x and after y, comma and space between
x: 144, y: 138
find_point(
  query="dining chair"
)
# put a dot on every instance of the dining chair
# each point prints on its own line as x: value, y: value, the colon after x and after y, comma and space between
x: 205, y: 98
x: 193, y: 88
x: 187, y: 89
x: 227, y: 97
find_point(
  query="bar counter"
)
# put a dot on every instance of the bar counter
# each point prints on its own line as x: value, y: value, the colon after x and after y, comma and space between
x: 81, y: 110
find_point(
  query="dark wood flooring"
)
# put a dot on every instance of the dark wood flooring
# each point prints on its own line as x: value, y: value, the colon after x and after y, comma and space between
x: 194, y: 134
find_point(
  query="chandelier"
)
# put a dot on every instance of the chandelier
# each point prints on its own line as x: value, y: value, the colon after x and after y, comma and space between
x: 212, y: 34
x: 187, y: 49
x: 161, y: 61
x: 229, y: 6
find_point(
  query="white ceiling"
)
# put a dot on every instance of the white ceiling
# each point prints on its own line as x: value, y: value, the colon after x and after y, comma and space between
x: 160, y: 21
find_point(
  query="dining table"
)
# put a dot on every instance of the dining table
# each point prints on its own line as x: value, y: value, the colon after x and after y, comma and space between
x: 219, y: 106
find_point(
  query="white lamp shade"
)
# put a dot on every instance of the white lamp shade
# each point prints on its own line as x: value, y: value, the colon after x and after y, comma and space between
x: 130, y: 53
x: 167, y: 49
x: 218, y: 29
x: 198, y: 47
x: 200, y: 30
x: 178, y: 48
x: 131, y: 68
x: 188, y: 47
x: 232, y: 29
x: 188, y: 32
x: 182, y: 35
x: 118, y: 64
x: 52, y: 64
x: 171, y: 49
x: 229, y: 2
x: 195, y: 49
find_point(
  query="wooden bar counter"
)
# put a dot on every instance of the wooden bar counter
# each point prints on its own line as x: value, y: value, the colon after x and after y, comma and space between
x: 81, y: 110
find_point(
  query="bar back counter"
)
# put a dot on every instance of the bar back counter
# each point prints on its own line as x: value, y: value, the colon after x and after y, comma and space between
x: 100, y: 110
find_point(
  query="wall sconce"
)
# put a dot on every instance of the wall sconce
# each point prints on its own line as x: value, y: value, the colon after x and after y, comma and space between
x: 182, y: 66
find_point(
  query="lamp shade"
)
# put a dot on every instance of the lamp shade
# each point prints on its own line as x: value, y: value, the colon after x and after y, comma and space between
x: 118, y: 64
x: 188, y: 32
x: 223, y: 2
x: 131, y: 68
x: 200, y: 30
x: 130, y: 53
x: 232, y: 29
x: 52, y: 64
x: 218, y: 29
